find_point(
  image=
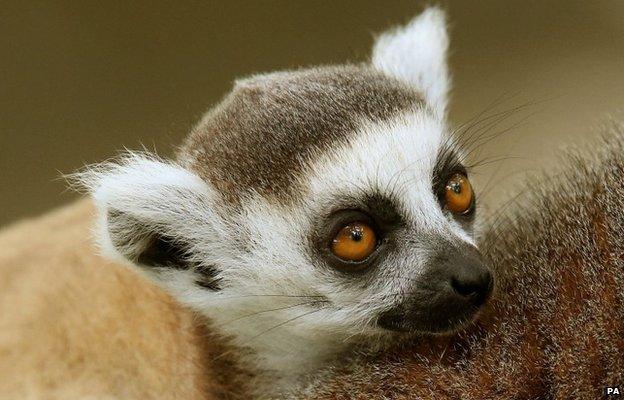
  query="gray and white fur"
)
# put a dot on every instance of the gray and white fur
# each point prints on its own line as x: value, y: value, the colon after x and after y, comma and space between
x: 237, y: 226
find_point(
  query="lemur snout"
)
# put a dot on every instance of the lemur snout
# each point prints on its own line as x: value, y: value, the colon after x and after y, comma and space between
x: 471, y: 281
x: 449, y: 292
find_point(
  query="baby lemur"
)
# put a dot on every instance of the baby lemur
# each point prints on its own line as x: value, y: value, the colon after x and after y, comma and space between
x: 311, y: 212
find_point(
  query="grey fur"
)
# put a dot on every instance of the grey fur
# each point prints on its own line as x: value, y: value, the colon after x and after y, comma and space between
x: 263, y: 134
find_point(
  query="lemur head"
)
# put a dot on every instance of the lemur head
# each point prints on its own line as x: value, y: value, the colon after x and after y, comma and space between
x: 320, y: 201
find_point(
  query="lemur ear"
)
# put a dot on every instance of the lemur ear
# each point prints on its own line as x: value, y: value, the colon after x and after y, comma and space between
x: 151, y: 213
x: 416, y: 53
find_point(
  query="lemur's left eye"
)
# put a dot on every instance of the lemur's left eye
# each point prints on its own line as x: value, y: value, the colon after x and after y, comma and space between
x: 354, y: 242
x: 458, y: 195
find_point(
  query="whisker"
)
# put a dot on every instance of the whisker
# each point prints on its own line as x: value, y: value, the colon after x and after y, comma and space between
x: 282, y: 324
x: 270, y: 295
x: 269, y: 330
x: 265, y: 311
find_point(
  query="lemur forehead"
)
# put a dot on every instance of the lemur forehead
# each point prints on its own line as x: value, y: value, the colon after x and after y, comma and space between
x: 265, y: 133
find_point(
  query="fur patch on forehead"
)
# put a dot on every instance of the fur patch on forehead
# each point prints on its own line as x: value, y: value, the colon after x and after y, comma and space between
x: 266, y: 132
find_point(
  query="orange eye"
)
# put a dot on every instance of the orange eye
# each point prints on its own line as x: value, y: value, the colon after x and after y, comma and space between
x: 458, y: 195
x: 354, y: 242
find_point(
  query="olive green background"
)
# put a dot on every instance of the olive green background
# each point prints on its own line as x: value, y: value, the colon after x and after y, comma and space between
x: 81, y: 80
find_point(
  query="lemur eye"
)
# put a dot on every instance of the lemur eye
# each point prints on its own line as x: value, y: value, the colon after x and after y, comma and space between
x: 354, y: 242
x: 458, y: 195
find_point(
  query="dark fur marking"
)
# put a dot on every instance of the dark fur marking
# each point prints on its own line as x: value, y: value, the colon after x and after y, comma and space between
x: 208, y: 278
x: 160, y: 251
x: 163, y: 252
x: 263, y: 135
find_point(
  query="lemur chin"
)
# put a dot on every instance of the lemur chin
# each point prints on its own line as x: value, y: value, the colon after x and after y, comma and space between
x: 311, y: 212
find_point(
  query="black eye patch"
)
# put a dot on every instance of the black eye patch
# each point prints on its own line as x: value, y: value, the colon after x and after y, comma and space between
x: 378, y: 211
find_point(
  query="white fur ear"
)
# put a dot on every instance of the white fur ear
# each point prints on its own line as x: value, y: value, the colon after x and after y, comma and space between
x: 147, y: 207
x: 416, y: 54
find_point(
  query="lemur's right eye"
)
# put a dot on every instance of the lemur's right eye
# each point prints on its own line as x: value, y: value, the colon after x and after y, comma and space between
x: 354, y: 242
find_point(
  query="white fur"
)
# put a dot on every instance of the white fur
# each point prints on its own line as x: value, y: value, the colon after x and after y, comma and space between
x: 416, y: 53
x: 155, y: 197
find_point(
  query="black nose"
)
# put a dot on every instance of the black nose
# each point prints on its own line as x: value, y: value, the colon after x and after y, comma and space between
x: 471, y: 281
x: 452, y: 288
x: 466, y: 275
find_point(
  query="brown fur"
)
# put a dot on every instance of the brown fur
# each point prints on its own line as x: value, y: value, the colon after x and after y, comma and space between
x: 74, y: 326
x: 555, y: 327
x: 262, y: 134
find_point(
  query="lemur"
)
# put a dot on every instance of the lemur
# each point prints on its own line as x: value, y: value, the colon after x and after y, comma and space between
x: 312, y: 212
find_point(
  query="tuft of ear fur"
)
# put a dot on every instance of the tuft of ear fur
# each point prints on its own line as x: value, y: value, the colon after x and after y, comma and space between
x: 149, y: 210
x: 417, y: 54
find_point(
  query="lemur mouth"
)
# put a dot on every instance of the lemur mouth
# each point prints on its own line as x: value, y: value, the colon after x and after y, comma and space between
x: 448, y: 323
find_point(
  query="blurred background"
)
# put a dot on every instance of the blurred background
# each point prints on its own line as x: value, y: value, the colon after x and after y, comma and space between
x: 81, y: 80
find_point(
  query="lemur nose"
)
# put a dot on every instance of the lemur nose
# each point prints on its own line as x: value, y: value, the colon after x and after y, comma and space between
x: 462, y: 276
x: 467, y: 275
x: 452, y: 287
x: 472, y: 282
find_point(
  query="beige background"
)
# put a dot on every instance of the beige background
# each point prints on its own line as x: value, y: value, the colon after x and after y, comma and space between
x: 81, y: 80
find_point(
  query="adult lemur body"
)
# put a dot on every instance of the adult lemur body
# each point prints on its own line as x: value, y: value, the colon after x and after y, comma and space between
x: 311, y: 212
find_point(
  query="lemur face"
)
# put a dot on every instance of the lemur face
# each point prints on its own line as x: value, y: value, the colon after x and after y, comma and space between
x: 321, y: 201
